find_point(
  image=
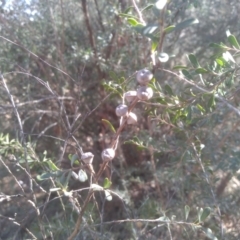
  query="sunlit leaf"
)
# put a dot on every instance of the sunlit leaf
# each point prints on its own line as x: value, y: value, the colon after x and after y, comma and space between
x: 201, y: 71
x: 169, y: 29
x: 209, y: 233
x: 107, y: 183
x: 108, y: 195
x: 96, y: 187
x: 160, y: 4
x: 227, y: 56
x: 51, y: 165
x: 201, y: 108
x: 154, y: 45
x: 133, y: 22
x: 82, y: 176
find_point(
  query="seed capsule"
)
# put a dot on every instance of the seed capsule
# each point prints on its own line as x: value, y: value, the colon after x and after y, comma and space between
x: 121, y: 110
x: 130, y: 95
x: 108, y: 154
x: 144, y: 76
x: 87, y: 157
x: 132, y: 118
x: 144, y: 93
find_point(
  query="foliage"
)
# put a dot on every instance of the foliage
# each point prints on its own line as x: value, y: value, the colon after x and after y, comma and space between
x: 65, y: 67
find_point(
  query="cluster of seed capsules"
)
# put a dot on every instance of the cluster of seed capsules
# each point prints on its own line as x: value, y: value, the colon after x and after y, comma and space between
x: 143, y: 93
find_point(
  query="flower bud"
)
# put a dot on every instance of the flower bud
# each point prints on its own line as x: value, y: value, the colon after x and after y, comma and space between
x: 87, y: 157
x: 121, y: 110
x: 108, y: 154
x: 132, y: 118
x: 130, y: 95
x: 144, y: 76
x: 144, y: 93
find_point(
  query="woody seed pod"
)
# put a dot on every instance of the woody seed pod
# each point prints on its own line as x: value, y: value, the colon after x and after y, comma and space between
x: 108, y: 154
x: 144, y: 93
x: 121, y: 110
x: 87, y: 157
x: 130, y: 95
x: 132, y: 118
x: 144, y: 76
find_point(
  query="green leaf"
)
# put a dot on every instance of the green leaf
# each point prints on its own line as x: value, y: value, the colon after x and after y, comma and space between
x: 211, y: 101
x: 180, y: 67
x: 47, y: 175
x: 233, y: 41
x: 209, y: 233
x: 201, y: 70
x: 205, y: 213
x: 133, y: 22
x: 186, y: 23
x: 193, y: 60
x: 221, y: 46
x: 187, y: 210
x: 51, y: 165
x: 219, y: 62
x: 201, y: 108
x: 168, y: 89
x: 154, y: 45
x: 169, y: 29
x: 186, y: 74
x: 110, y: 125
x: 148, y: 7
x: 107, y: 183
x: 126, y: 15
x: 149, y: 29
x: 199, y: 213
x: 73, y: 158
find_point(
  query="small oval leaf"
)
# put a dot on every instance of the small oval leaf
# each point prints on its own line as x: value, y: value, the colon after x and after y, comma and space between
x: 169, y: 29
x: 107, y: 183
x: 82, y: 176
x: 205, y: 213
x: 193, y: 60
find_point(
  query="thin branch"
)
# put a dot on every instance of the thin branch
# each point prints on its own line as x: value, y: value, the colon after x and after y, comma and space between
x: 229, y: 105
x: 138, y: 12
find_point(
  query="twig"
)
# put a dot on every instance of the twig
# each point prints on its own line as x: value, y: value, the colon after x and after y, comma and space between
x: 138, y: 12
x: 12, y: 220
x: 237, y: 111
